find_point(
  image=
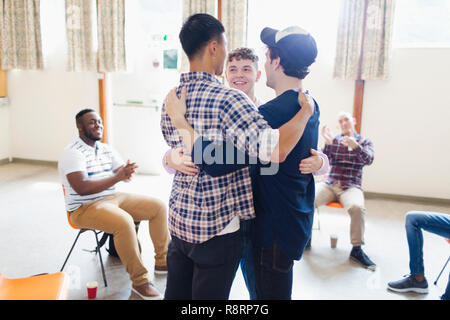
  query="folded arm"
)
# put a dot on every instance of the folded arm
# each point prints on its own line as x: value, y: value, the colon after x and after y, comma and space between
x: 83, y: 185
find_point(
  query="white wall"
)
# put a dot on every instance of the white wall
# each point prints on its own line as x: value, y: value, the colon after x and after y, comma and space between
x: 44, y: 102
x: 5, y: 137
x: 407, y: 119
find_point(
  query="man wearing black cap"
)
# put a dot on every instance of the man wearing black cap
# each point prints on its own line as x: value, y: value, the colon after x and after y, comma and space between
x: 284, y: 202
x: 284, y: 198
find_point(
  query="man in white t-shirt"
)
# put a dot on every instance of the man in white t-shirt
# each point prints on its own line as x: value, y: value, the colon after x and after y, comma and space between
x: 90, y: 170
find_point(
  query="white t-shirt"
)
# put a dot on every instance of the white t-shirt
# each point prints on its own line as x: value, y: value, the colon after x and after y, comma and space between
x: 98, y: 162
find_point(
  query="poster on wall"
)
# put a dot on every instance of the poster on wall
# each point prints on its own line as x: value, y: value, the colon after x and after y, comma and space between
x: 171, y: 59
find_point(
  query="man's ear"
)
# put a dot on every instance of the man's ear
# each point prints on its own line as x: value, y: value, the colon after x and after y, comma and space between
x: 212, y: 47
x: 276, y: 63
x: 79, y: 127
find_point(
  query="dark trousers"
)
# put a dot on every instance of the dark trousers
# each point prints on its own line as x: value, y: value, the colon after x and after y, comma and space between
x: 202, y: 271
x: 247, y: 257
x: 273, y: 271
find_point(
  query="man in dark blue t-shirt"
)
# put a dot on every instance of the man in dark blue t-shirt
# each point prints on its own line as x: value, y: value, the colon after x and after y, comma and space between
x: 284, y: 202
x: 283, y: 196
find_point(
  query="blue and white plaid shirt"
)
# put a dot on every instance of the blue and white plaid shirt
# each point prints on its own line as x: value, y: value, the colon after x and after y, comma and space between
x: 201, y: 206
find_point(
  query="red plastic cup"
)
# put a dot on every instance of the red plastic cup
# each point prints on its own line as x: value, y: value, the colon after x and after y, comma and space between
x: 92, y: 289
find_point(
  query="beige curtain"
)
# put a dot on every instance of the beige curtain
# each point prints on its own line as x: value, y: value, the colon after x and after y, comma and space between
x: 234, y: 19
x: 20, y: 35
x: 363, y: 45
x: 199, y: 6
x: 111, y: 35
x: 79, y: 35
x: 191, y: 7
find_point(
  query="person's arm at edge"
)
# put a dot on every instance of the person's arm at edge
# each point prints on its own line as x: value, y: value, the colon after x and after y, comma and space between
x: 165, y: 164
x: 325, y: 164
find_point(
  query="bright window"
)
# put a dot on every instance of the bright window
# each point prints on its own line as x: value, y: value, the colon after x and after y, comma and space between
x: 319, y: 17
x: 422, y: 23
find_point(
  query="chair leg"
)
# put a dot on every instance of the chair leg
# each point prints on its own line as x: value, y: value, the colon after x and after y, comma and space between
x: 97, y: 249
x: 67, y: 258
x: 443, y: 268
x: 318, y: 217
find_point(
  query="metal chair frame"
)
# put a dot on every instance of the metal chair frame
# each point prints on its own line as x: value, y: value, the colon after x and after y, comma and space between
x: 96, y: 250
x: 443, y: 268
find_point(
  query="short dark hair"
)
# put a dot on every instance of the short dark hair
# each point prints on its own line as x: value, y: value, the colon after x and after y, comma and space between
x: 82, y: 113
x: 197, y: 31
x: 243, y: 53
x: 288, y: 69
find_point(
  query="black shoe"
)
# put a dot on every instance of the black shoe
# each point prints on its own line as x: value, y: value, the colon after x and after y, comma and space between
x: 358, y: 255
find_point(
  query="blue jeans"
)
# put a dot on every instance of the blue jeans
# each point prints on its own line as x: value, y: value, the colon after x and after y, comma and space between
x: 437, y: 223
x: 247, y: 260
x: 273, y: 270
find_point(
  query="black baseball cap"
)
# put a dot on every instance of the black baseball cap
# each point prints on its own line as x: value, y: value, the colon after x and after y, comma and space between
x: 297, y: 47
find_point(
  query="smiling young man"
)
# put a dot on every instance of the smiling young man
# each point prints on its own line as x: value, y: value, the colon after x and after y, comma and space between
x: 89, y: 171
x: 242, y: 72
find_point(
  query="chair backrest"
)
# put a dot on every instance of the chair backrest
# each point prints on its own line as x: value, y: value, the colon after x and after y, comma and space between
x: 54, y: 286
x: 68, y: 216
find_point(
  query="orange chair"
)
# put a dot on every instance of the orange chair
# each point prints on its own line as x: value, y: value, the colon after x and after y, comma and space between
x: 54, y: 286
x: 334, y: 204
x: 330, y: 204
x: 96, y: 250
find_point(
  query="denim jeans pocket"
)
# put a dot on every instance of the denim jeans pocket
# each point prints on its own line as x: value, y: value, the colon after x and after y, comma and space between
x: 272, y: 257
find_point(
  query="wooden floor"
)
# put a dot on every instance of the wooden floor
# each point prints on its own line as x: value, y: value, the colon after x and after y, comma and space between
x: 35, y: 238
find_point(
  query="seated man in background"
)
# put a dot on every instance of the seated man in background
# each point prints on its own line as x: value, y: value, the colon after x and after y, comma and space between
x: 90, y: 170
x: 348, y: 153
x: 415, y: 221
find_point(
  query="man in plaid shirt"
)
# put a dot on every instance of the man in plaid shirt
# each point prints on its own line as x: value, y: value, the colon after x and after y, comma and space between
x: 348, y: 153
x: 205, y: 212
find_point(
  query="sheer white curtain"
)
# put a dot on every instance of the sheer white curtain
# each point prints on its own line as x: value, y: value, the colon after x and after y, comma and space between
x: 234, y: 19
x: 111, y: 35
x: 81, y: 56
x: 20, y: 34
x: 191, y: 7
x: 364, y: 39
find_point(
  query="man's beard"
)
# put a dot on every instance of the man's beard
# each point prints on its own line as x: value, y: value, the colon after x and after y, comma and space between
x: 92, y: 137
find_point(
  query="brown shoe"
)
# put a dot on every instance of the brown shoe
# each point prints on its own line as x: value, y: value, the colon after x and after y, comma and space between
x: 161, y: 269
x: 147, y: 291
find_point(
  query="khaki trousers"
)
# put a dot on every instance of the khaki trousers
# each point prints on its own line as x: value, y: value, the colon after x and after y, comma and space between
x: 352, y: 199
x: 116, y: 214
